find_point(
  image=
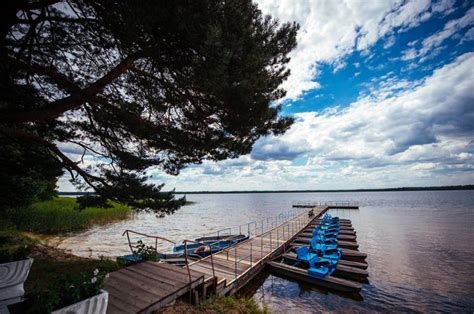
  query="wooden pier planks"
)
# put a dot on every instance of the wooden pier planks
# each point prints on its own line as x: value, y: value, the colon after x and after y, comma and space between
x: 147, y: 286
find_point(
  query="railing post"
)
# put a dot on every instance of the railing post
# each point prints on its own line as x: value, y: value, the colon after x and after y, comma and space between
x: 271, y: 247
x: 251, y: 249
x: 212, y: 263
x: 235, y: 257
x: 186, y: 261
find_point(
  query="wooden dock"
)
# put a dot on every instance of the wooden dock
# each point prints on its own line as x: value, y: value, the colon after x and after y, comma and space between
x: 329, y: 205
x: 235, y: 266
x: 148, y: 286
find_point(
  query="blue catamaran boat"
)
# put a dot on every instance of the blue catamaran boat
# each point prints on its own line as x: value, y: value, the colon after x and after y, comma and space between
x: 320, y: 262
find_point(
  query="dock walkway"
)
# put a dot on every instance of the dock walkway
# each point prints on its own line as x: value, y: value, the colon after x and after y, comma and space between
x: 329, y: 205
x: 235, y: 266
x: 147, y: 286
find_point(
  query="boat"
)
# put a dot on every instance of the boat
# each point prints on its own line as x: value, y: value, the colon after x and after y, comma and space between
x: 340, y: 236
x: 347, y: 254
x: 199, y: 248
x: 206, y: 246
x: 343, y: 230
x: 322, y: 258
x: 344, y: 227
x: 347, y: 236
x: 330, y: 282
x: 341, y: 244
x: 342, y: 269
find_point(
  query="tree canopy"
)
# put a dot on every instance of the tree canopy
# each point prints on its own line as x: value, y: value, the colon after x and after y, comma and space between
x: 134, y: 85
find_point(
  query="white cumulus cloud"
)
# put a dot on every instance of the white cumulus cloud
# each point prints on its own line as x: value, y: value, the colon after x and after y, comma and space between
x: 331, y: 30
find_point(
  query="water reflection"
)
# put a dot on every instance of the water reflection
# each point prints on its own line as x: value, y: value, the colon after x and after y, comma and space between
x: 419, y: 245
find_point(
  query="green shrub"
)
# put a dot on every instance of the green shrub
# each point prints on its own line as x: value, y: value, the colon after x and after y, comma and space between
x: 147, y: 253
x: 13, y: 246
x: 56, y: 284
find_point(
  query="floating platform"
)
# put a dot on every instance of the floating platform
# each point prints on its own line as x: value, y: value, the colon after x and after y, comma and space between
x: 329, y: 205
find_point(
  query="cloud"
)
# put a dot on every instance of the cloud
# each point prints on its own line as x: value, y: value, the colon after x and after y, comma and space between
x: 331, y: 30
x: 433, y: 44
x: 387, y: 123
x: 420, y: 133
x: 272, y: 148
x: 389, y: 42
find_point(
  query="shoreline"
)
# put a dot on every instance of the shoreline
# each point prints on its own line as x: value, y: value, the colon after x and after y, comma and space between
x: 400, y: 189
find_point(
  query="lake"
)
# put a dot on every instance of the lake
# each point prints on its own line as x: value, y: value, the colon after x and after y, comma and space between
x: 420, y: 246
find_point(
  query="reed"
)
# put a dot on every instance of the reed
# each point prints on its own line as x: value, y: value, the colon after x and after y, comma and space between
x: 62, y: 214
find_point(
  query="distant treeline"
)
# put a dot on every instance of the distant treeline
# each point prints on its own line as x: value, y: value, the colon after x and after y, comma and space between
x: 424, y: 188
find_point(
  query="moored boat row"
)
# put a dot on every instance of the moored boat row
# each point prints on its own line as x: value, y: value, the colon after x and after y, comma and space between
x: 325, y: 254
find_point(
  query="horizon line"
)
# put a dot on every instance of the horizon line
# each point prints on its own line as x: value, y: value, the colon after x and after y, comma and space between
x: 400, y: 189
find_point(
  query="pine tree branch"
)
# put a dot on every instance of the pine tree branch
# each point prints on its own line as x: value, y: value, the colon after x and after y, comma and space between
x: 71, y: 102
x: 68, y: 163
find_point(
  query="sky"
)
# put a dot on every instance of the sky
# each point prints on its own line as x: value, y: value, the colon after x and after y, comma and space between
x: 383, y: 96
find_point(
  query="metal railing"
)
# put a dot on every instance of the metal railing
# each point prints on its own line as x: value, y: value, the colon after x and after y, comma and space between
x: 258, y: 227
x: 210, y: 245
x: 277, y: 236
x: 127, y: 232
x: 277, y: 228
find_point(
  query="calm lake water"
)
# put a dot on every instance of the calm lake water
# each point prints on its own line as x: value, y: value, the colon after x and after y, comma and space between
x: 420, y: 247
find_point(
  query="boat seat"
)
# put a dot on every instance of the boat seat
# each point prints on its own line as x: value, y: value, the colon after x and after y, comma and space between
x: 320, y: 272
x: 324, y: 234
x: 325, y: 240
x: 322, y: 248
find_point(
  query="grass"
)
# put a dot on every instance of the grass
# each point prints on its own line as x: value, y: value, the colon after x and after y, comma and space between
x: 62, y: 214
x: 231, y: 304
